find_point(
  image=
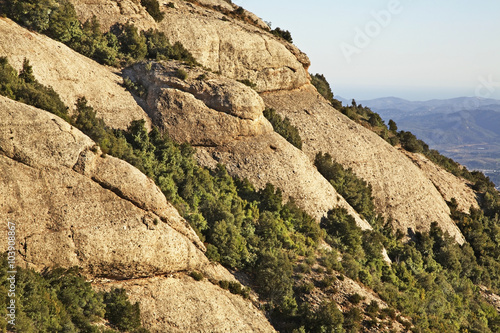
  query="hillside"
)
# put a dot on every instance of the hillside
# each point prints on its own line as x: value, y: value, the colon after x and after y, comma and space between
x: 187, y: 160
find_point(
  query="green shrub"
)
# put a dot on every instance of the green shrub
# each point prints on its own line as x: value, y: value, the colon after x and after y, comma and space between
x: 120, y: 312
x: 133, y: 44
x: 356, y: 191
x: 285, y: 34
x: 153, y: 8
x: 58, y: 300
x: 136, y: 89
x: 304, y: 268
x: 328, y: 318
x: 182, y: 74
x: 284, y: 128
x: 306, y: 287
x: 372, y: 309
x: 196, y: 275
x: 248, y: 83
x: 235, y: 288
x: 352, y: 320
x: 224, y: 284
x: 321, y: 84
x: 26, y: 89
x: 124, y: 44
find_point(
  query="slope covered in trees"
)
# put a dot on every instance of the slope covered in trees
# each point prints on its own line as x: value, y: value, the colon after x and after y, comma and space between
x: 432, y: 281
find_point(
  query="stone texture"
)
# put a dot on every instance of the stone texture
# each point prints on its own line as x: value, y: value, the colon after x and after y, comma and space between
x: 400, y: 189
x: 243, y: 141
x: 179, y: 304
x: 73, y: 207
x: 215, y: 91
x: 236, y: 49
x: 111, y: 12
x: 70, y: 74
x: 446, y: 183
x: 106, y: 214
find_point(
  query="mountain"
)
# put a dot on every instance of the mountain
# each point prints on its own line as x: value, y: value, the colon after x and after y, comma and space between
x: 465, y: 129
x: 393, y: 106
x: 136, y: 144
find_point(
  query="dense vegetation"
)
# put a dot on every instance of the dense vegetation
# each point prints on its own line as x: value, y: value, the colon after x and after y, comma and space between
x: 62, y: 301
x: 357, y: 192
x: 284, y: 128
x: 432, y: 281
x: 319, y: 81
x: 153, y: 8
x: 124, y: 44
x: 26, y: 89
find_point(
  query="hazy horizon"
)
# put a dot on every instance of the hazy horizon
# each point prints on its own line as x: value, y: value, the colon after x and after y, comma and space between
x: 413, y: 50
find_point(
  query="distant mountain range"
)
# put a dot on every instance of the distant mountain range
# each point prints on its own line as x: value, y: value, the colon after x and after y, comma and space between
x: 466, y: 129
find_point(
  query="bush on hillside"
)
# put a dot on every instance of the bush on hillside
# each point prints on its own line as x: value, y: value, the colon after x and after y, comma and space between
x: 153, y: 8
x: 284, y: 127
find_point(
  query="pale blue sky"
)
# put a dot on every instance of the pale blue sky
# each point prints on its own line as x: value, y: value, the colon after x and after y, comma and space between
x: 416, y: 49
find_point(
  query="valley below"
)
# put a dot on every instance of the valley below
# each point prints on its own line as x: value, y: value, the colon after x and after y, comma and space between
x: 465, y: 129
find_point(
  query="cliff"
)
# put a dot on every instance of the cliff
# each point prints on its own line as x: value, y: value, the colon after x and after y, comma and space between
x: 70, y: 74
x: 75, y: 207
x: 241, y: 50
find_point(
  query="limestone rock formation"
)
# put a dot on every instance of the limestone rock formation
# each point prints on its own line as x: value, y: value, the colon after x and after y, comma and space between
x: 446, y: 183
x: 224, y: 120
x: 74, y: 207
x: 183, y: 305
x: 111, y: 12
x: 232, y: 46
x: 97, y: 209
x: 70, y: 74
x: 401, y: 190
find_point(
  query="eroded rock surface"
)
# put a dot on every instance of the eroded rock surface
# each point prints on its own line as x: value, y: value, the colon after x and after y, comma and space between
x: 93, y: 207
x: 179, y: 304
x: 446, y: 183
x: 74, y: 207
x: 70, y: 74
x: 238, y: 136
x: 400, y: 189
x: 228, y: 45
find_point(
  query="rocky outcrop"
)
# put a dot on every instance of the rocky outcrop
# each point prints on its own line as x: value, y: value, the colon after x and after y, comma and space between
x: 111, y: 12
x: 224, y: 120
x: 225, y: 44
x: 400, y: 189
x: 204, y: 112
x: 446, y: 183
x: 179, y: 304
x: 70, y: 74
x: 97, y: 208
x: 74, y: 207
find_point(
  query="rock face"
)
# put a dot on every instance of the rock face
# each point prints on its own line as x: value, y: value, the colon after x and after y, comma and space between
x: 70, y: 74
x: 446, y: 183
x: 224, y: 120
x: 228, y: 45
x: 183, y: 305
x: 110, y: 12
x: 401, y: 190
x: 74, y: 207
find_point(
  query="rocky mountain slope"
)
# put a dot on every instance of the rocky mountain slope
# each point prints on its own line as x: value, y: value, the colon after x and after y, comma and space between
x: 70, y: 74
x: 78, y: 207
x: 400, y: 189
x: 75, y: 207
x: 411, y: 204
